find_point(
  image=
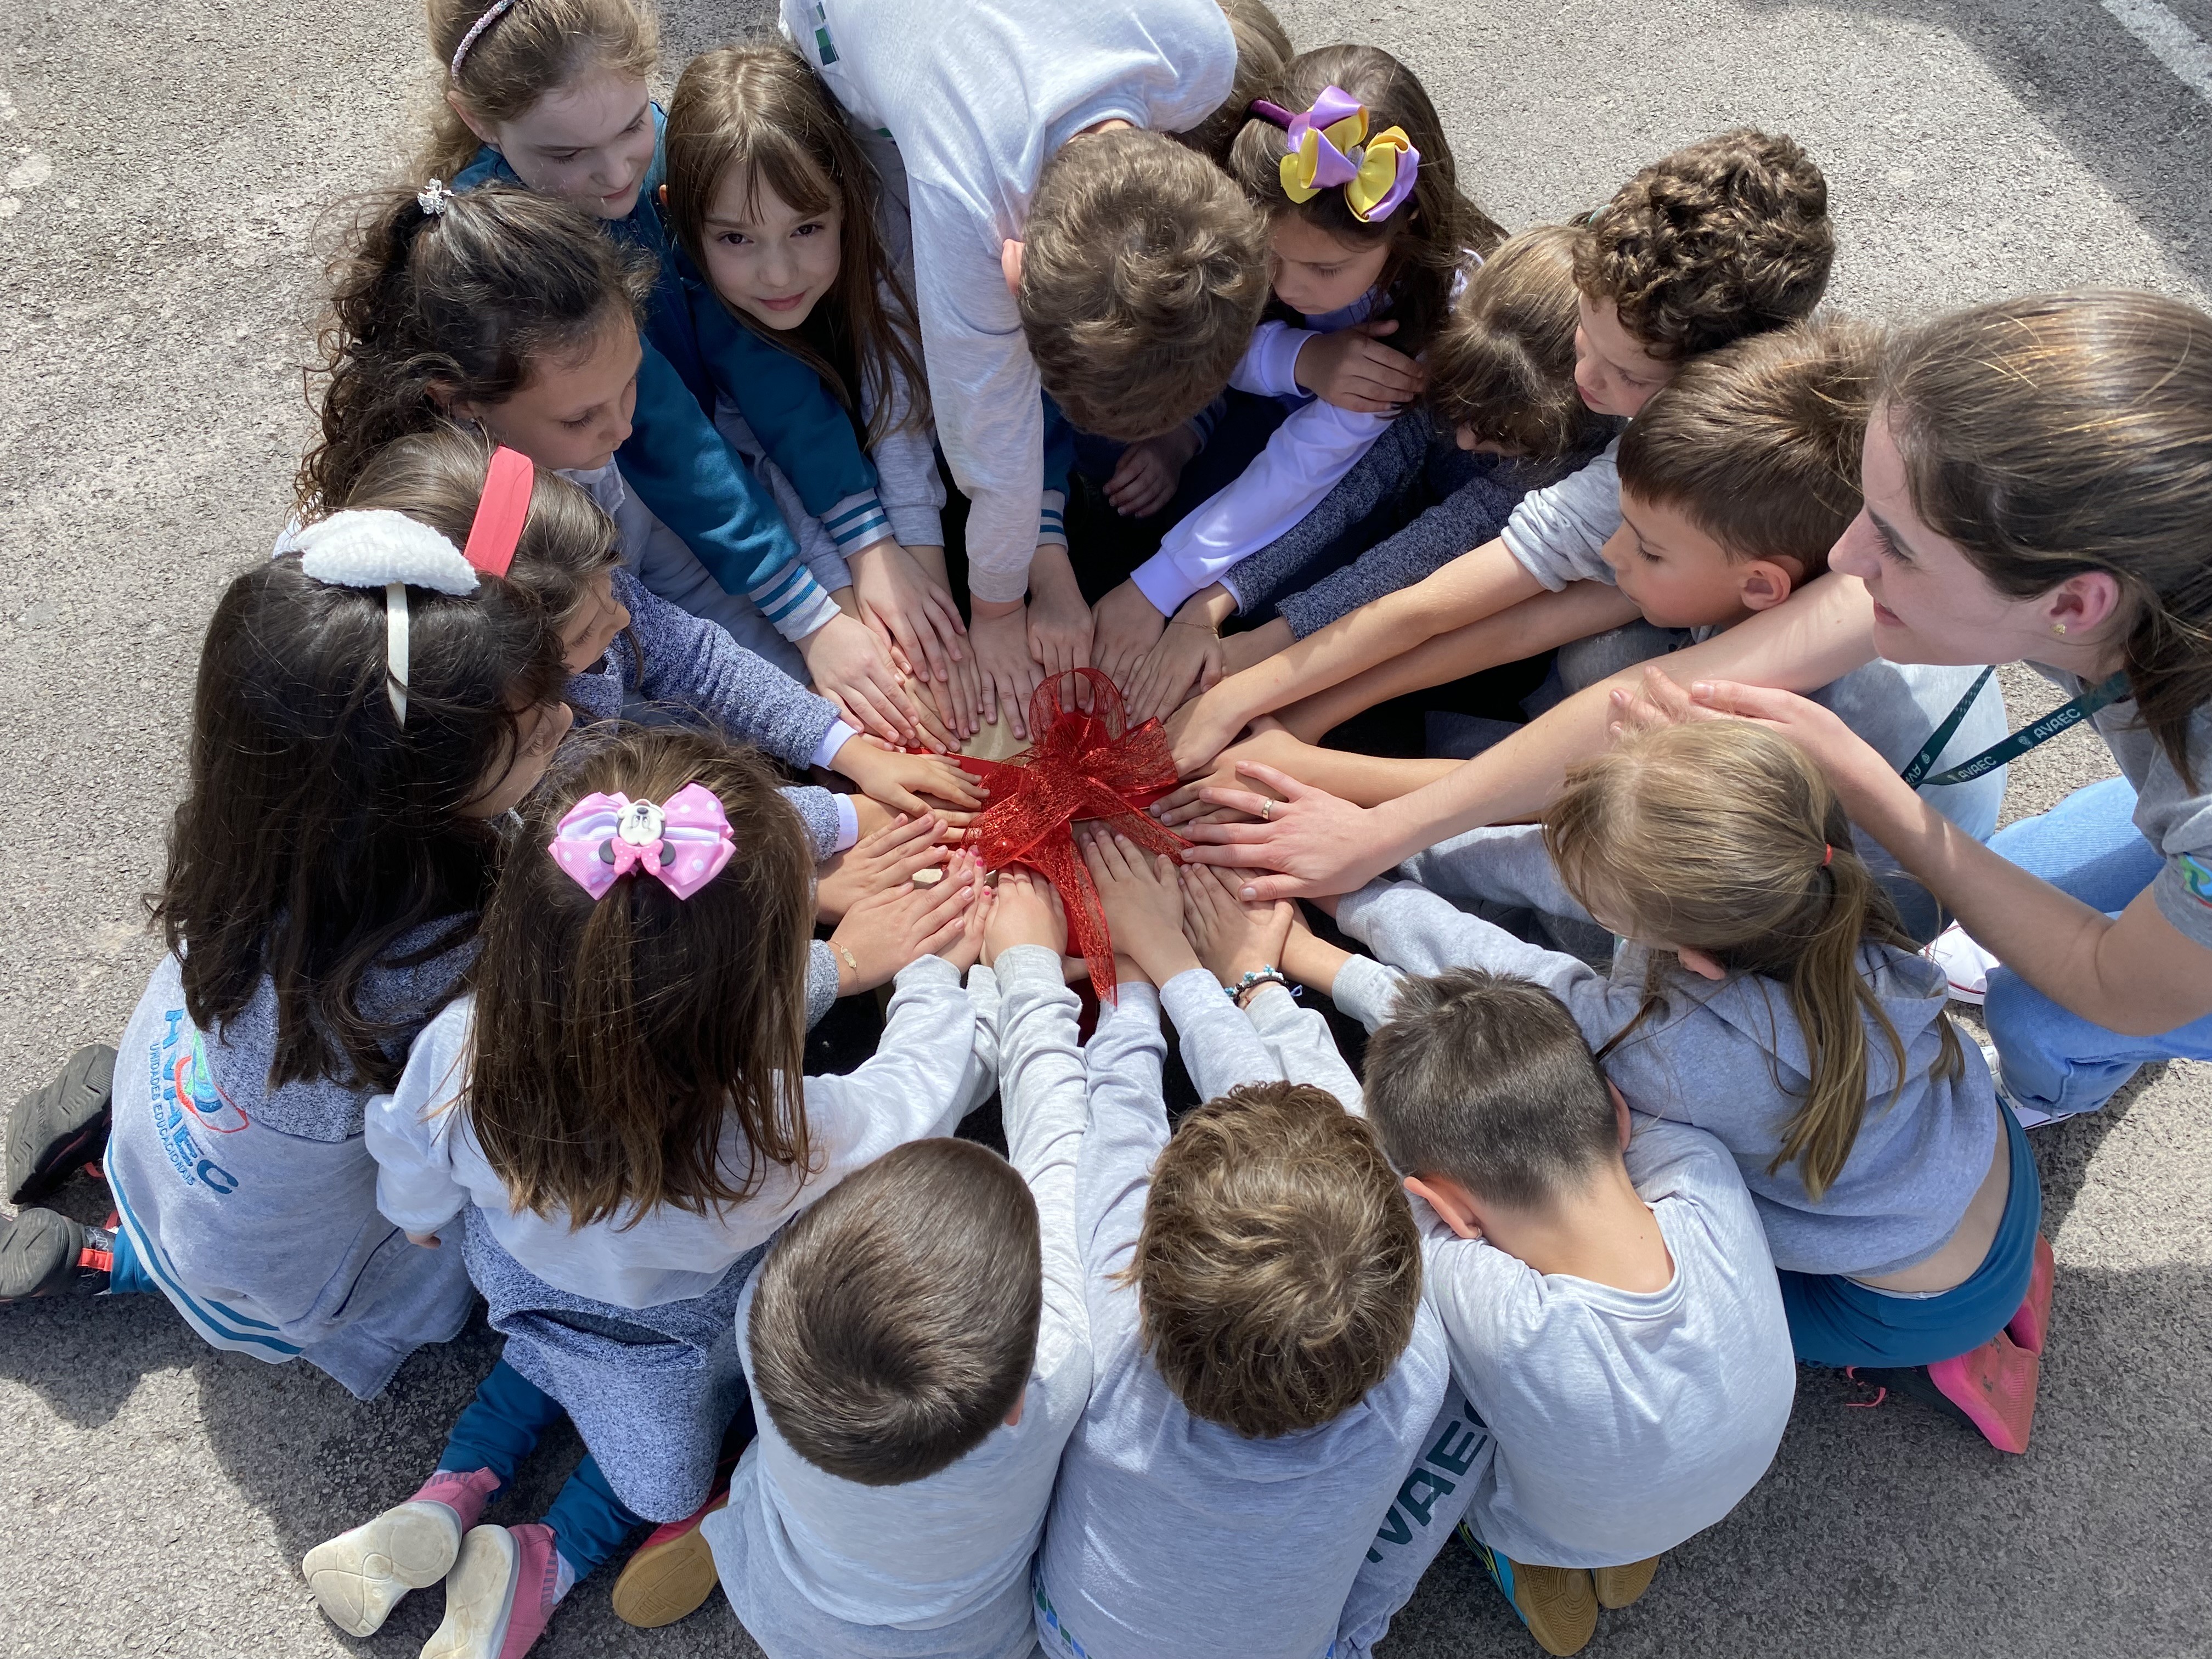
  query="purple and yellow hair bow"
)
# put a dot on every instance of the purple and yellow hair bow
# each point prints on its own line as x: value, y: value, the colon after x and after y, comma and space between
x: 1328, y: 145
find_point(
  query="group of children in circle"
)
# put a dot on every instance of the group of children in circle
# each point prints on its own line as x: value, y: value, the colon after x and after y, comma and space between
x: 492, y: 905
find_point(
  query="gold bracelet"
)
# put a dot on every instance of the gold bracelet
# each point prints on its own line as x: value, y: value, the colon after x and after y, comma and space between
x: 1213, y: 629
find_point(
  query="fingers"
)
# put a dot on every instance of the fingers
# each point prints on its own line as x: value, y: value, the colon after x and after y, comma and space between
x: 1252, y: 844
x: 886, y: 710
x: 967, y: 695
x: 1242, y: 800
x: 945, y: 778
x: 1281, y: 782
x: 1267, y: 889
x: 1106, y: 857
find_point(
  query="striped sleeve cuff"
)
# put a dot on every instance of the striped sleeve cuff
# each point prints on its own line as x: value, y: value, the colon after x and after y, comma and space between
x: 858, y: 521
x: 794, y: 602
x: 1052, y: 519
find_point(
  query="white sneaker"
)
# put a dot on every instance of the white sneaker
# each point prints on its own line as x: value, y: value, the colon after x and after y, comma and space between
x: 2030, y: 1117
x: 1963, y: 962
x: 359, y: 1576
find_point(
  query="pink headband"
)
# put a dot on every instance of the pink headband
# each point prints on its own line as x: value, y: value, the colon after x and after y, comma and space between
x: 497, y: 9
x: 683, y: 842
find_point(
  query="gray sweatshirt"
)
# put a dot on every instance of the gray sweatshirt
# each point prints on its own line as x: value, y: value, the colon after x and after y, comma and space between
x: 1731, y: 1059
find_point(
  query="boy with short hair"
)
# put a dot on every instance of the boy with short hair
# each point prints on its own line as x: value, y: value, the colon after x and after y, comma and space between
x: 1723, y: 240
x: 1263, y: 1364
x: 916, y: 1346
x: 1614, y: 1321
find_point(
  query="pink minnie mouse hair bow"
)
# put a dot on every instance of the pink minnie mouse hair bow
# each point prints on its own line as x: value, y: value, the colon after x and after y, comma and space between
x: 684, y: 842
x: 1328, y: 145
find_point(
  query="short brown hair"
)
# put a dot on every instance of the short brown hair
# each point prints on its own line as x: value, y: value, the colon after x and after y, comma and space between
x: 894, y: 1324
x: 1503, y: 363
x: 1278, y: 1270
x: 1486, y: 1080
x: 1726, y: 237
x: 1759, y: 442
x: 1263, y: 47
x: 1144, y: 272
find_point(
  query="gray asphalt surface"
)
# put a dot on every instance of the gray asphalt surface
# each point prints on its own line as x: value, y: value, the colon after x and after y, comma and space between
x: 161, y: 172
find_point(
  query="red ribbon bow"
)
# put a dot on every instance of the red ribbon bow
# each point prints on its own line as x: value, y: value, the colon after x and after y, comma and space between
x: 1079, y: 764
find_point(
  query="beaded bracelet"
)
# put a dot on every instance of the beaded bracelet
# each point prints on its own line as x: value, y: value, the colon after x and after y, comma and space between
x: 1252, y: 981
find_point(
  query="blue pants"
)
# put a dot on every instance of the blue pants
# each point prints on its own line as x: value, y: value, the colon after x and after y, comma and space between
x: 1834, y: 1321
x: 2056, y: 1061
x: 127, y: 1276
x: 500, y: 1427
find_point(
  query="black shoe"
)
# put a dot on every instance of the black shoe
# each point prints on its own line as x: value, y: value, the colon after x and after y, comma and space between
x: 55, y: 1130
x: 42, y: 1254
x: 1908, y: 1383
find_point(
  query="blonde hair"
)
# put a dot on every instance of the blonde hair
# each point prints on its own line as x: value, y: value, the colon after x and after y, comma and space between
x: 1758, y: 443
x: 1503, y: 362
x: 760, y: 110
x: 2060, y: 434
x: 1144, y: 272
x: 1760, y: 875
x: 529, y: 50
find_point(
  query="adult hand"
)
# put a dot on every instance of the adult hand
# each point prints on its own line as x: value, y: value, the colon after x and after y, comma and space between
x: 1125, y: 627
x: 853, y: 667
x: 1232, y: 937
x: 1008, y: 671
x: 886, y: 930
x: 1026, y: 912
x: 899, y: 600
x: 1857, y: 770
x: 1146, y: 477
x: 1318, y: 843
x: 1060, y: 622
x: 893, y: 777
x: 1348, y: 369
x: 1143, y: 902
x: 886, y: 860
x: 1188, y: 804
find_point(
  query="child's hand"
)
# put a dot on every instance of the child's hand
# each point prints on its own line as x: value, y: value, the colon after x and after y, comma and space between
x: 428, y: 1241
x: 1123, y: 628
x: 1349, y: 369
x: 966, y: 950
x: 887, y: 859
x: 852, y: 667
x: 1060, y: 622
x: 1187, y: 806
x: 1143, y: 902
x: 959, y: 698
x: 894, y: 777
x: 1188, y: 654
x: 1200, y: 730
x: 907, y: 610
x: 1232, y: 939
x: 1026, y: 912
x: 1006, y: 670
x: 1146, y: 477
x: 1309, y: 959
x: 886, y: 930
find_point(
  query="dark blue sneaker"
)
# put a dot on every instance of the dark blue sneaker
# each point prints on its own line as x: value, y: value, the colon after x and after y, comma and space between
x: 56, y: 1131
x: 42, y: 1254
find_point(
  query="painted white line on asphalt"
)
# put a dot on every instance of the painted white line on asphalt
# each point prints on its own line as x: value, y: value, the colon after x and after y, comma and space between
x: 2169, y: 40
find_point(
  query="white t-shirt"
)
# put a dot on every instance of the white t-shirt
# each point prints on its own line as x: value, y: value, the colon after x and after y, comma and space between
x: 977, y: 103
x: 1555, y: 532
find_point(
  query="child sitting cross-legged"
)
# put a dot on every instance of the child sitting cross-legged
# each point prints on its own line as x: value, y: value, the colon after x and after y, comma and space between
x: 1606, y: 1286
x: 1263, y: 1368
x: 916, y: 1348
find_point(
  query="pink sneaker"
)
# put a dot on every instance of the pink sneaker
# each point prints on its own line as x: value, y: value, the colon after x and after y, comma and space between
x: 359, y: 1576
x: 1994, y: 1386
x: 499, y: 1594
x: 2033, y: 1323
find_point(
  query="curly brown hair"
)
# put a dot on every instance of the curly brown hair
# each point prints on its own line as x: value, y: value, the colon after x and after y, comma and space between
x: 1144, y: 272
x: 1278, y: 1269
x: 1503, y: 362
x: 1726, y: 237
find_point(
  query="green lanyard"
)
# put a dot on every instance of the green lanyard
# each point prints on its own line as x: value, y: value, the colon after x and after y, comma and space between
x: 2066, y: 715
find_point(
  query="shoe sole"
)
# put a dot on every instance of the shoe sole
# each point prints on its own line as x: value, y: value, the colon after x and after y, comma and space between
x: 38, y: 1248
x: 1618, y: 1587
x: 662, y: 1583
x: 1994, y: 1386
x: 2032, y: 1324
x: 1557, y: 1605
x: 45, y: 1146
x: 359, y: 1576
x: 479, y: 1597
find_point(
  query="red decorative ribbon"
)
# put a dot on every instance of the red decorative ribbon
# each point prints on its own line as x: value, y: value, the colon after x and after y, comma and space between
x: 1080, y: 764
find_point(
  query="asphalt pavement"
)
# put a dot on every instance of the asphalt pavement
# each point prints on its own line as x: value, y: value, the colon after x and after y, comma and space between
x: 166, y: 174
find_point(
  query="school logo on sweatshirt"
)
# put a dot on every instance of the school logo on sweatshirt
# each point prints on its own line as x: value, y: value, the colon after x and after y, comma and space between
x: 184, y: 1098
x: 2197, y: 878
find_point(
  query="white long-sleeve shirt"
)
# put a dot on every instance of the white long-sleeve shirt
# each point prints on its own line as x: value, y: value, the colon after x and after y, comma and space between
x: 976, y: 110
x: 430, y: 1169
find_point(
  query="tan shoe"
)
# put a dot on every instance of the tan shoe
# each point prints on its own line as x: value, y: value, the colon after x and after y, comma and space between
x: 670, y: 1575
x: 1557, y: 1604
x: 1617, y: 1587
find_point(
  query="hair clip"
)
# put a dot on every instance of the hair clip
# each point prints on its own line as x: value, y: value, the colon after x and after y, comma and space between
x: 433, y: 198
x: 683, y: 842
x: 502, y: 511
x: 377, y: 548
x: 1329, y: 146
x: 497, y: 9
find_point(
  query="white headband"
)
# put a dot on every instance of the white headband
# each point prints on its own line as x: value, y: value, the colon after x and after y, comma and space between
x: 376, y: 547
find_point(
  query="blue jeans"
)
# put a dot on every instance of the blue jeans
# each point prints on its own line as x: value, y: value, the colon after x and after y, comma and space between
x: 2056, y: 1062
x: 497, y: 1430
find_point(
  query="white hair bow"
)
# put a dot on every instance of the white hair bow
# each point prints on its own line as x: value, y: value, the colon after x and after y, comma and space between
x: 377, y: 548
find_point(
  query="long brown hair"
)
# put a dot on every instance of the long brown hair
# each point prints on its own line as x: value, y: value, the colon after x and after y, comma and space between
x: 530, y: 50
x: 1430, y: 235
x: 427, y: 309
x: 617, y: 1039
x: 317, y: 830
x: 1759, y: 874
x: 1503, y: 363
x: 760, y: 111
x: 2060, y: 434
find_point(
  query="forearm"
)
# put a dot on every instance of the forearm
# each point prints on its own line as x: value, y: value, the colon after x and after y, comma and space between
x: 1363, y: 780
x: 1535, y: 625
